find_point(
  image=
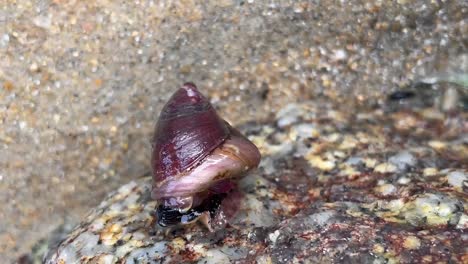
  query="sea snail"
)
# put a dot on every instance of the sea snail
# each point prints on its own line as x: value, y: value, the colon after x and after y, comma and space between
x: 196, y: 159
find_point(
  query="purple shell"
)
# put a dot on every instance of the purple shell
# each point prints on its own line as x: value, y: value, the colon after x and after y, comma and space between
x: 187, y: 131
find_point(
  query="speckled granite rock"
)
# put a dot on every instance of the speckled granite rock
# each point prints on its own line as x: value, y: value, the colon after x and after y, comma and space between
x: 373, y: 186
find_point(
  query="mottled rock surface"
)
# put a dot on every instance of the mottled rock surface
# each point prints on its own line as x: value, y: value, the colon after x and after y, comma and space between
x: 82, y: 83
x: 331, y: 188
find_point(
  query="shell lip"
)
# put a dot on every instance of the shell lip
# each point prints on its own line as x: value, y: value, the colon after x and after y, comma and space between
x: 231, y: 160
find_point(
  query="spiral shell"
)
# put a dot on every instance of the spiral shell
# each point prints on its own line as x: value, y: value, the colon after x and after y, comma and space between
x: 196, y: 156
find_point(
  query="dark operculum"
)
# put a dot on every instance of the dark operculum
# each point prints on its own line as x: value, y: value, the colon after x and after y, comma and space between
x: 168, y: 216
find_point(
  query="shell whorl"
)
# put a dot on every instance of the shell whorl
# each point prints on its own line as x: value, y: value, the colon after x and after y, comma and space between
x: 187, y: 131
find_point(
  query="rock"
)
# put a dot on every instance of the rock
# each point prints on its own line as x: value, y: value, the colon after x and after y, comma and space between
x: 295, y: 209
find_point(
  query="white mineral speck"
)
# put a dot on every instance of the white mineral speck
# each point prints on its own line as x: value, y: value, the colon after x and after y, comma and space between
x: 463, y: 222
x: 107, y: 259
x: 4, y: 40
x: 274, y: 236
x: 456, y: 178
x: 354, y: 161
x: 431, y: 209
x: 68, y: 255
x: 404, y: 180
x: 88, y: 242
x: 340, y: 54
x: 147, y: 255
x: 215, y: 256
x: 395, y: 205
x: 257, y: 214
x: 411, y: 242
x: 22, y: 125
x: 288, y: 115
x: 320, y: 219
x: 43, y: 21
x: 56, y: 118
x: 385, y: 168
x: 403, y: 160
x: 387, y: 189
x: 306, y: 131
x: 33, y: 67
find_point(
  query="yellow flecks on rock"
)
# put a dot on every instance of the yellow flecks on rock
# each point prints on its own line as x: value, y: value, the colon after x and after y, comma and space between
x: 404, y: 121
x: 332, y: 137
x: 111, y: 234
x: 264, y: 259
x: 432, y: 113
x: 95, y: 120
x: 316, y: 148
x: 293, y: 135
x: 126, y: 237
x: 430, y: 172
x: 257, y: 140
x: 106, y: 259
x: 363, y: 138
x: 134, y: 207
x: 199, y: 249
x: 339, y: 154
x: 390, y: 210
x: 178, y: 244
x: 395, y: 205
x: 124, y: 191
x: 463, y: 222
x: 303, y: 131
x: 115, y: 228
x: 437, y: 145
x: 354, y: 213
x: 391, y: 256
x: 370, y: 163
x: 427, y: 259
x: 110, y: 214
x: 318, y: 162
x: 411, y: 242
x: 8, y: 86
x: 430, y: 210
x: 348, y: 143
x: 378, y: 249
x: 348, y: 170
x: 385, y: 168
x: 136, y: 243
x: 124, y: 145
x: 386, y: 189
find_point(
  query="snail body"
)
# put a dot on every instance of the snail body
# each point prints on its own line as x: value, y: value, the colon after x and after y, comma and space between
x: 196, y: 159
